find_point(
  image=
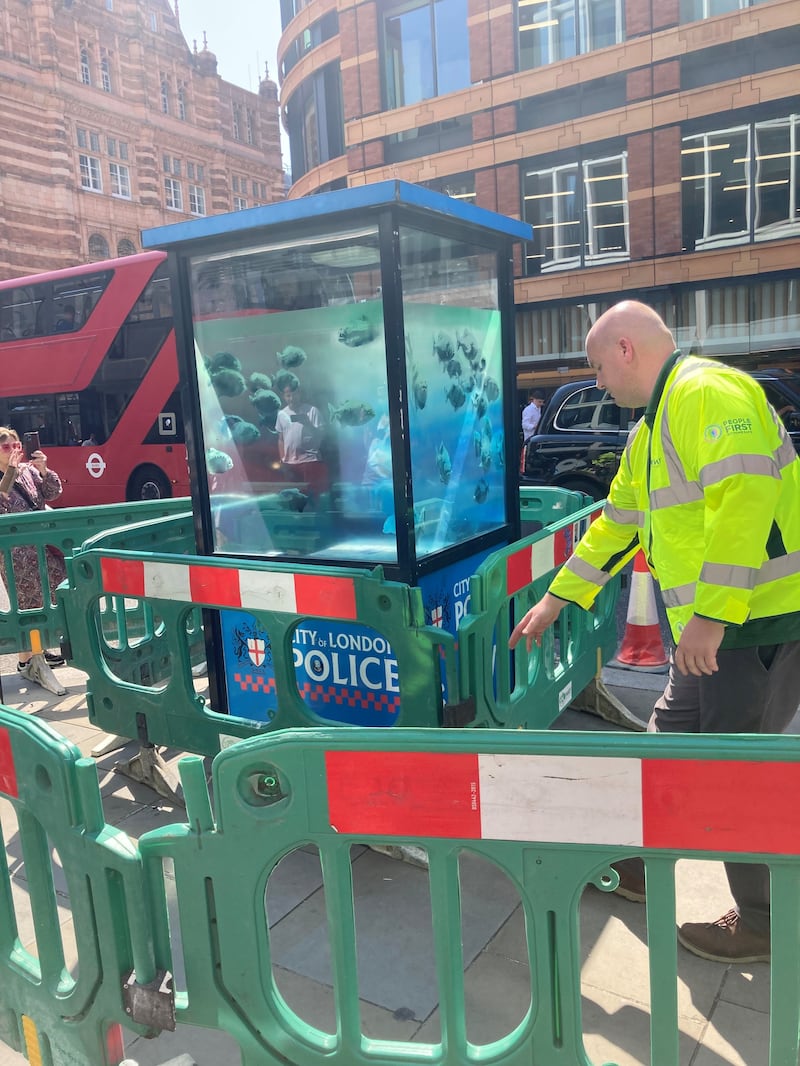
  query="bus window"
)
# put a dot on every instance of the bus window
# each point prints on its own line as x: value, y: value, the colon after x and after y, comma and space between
x: 21, y: 312
x: 74, y: 299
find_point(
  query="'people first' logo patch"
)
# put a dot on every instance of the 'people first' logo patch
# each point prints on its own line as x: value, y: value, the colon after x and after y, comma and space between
x: 728, y: 427
x: 738, y: 425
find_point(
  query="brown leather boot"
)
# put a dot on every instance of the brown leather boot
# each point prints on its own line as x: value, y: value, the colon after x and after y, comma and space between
x: 727, y: 939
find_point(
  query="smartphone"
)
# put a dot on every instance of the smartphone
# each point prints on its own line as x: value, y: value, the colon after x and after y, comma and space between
x: 30, y: 443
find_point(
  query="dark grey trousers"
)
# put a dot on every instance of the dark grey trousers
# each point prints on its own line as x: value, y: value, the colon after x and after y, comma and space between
x: 755, y: 690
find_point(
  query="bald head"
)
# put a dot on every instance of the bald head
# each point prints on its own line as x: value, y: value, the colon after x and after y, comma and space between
x: 627, y: 347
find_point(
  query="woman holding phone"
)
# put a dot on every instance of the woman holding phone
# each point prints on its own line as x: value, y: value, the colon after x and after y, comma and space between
x: 29, y: 486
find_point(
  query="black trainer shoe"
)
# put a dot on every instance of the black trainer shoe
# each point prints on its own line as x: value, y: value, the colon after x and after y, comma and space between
x: 54, y: 658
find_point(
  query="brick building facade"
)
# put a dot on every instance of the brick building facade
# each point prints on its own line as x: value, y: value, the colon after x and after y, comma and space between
x: 653, y: 147
x: 110, y: 124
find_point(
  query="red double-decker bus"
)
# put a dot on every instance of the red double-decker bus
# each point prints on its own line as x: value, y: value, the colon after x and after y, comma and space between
x: 88, y: 361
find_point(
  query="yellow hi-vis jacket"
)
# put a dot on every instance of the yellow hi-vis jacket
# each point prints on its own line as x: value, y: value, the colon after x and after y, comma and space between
x: 709, y: 487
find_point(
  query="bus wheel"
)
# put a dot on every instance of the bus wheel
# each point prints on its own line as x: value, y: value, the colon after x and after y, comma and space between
x: 149, y: 483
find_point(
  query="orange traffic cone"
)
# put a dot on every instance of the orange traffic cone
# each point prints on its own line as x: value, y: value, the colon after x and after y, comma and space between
x: 642, y: 646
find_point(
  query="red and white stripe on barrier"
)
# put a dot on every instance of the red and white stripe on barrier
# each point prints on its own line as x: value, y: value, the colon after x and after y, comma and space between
x: 544, y: 555
x: 313, y: 594
x: 682, y: 804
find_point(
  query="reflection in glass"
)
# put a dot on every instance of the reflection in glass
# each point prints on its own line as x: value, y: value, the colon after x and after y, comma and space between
x: 292, y: 377
x: 427, y: 50
x: 715, y: 178
x: 579, y: 213
x: 454, y: 371
x: 548, y: 29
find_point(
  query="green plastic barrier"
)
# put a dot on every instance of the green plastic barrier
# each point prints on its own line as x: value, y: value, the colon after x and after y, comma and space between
x: 131, y: 635
x: 140, y: 681
x: 65, y: 529
x: 515, y: 689
x: 550, y: 810
x: 56, y: 1014
x: 544, y: 505
x: 170, y: 589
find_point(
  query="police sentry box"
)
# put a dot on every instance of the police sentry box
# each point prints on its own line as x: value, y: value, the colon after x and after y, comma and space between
x: 347, y: 367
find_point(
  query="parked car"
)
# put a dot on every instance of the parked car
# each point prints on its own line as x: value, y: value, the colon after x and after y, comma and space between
x: 582, y: 433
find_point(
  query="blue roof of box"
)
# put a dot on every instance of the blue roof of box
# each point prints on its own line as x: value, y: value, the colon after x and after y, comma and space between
x: 379, y: 194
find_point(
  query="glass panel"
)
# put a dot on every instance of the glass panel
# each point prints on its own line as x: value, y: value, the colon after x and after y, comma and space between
x: 453, y: 362
x: 546, y: 32
x: 452, y: 46
x: 775, y: 315
x: 552, y: 206
x: 777, y: 213
x: 292, y: 378
x: 409, y: 52
x: 606, y: 200
x: 717, y: 319
x: 601, y: 24
x: 715, y: 179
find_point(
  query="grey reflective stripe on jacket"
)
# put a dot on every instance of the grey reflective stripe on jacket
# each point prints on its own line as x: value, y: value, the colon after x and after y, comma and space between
x: 623, y: 516
x: 741, y: 577
x: 586, y: 571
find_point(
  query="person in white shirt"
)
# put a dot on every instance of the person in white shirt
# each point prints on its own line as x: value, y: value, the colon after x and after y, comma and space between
x: 532, y: 413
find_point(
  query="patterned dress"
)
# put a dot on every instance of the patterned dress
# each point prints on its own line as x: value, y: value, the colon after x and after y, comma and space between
x: 27, y: 579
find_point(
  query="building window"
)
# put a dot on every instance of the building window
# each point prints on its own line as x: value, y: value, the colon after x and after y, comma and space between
x: 237, y: 122
x: 776, y: 194
x: 126, y: 247
x: 181, y: 101
x: 166, y: 162
x: 239, y: 203
x: 741, y: 184
x: 551, y: 30
x: 111, y: 146
x: 426, y: 44
x: 197, y: 200
x: 105, y: 73
x: 251, y: 127
x: 123, y: 149
x: 94, y: 141
x: 164, y: 94
x: 176, y: 166
x: 154, y: 21
x: 120, y: 180
x: 90, y: 173
x: 173, y: 195
x: 86, y: 70
x: 315, y: 122
x: 201, y: 172
x: 321, y: 30
x: 109, y: 5
x: 695, y: 10
x: 83, y: 138
x: 98, y: 247
x: 579, y: 214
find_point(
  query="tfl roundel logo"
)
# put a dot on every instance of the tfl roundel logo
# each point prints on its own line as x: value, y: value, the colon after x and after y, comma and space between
x: 713, y: 432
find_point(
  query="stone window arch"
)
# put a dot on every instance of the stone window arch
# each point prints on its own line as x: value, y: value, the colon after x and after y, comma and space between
x: 98, y: 247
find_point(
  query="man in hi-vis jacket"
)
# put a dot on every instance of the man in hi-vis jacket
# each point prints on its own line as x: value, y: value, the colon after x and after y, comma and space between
x: 709, y: 487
